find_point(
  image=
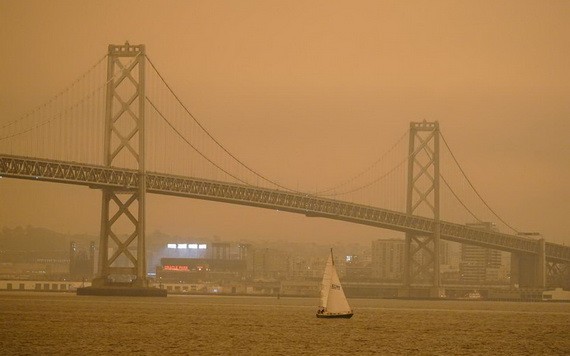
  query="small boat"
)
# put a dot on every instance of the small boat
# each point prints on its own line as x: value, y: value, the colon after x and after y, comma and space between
x: 333, y: 301
x: 474, y: 295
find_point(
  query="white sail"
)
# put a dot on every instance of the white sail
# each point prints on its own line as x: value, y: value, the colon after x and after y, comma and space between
x: 336, y: 301
x: 326, y: 283
x: 333, y: 300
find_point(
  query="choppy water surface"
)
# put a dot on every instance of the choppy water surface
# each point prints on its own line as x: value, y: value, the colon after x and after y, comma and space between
x: 44, y: 323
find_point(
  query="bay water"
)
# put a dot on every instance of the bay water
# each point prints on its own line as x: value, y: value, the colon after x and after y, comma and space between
x: 36, y: 323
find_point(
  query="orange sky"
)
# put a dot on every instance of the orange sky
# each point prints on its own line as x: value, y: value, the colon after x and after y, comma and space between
x: 312, y: 92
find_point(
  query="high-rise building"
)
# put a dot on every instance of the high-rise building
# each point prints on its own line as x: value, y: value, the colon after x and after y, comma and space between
x: 387, y: 259
x: 479, y: 264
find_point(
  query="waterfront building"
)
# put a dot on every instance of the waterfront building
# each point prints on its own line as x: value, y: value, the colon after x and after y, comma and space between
x: 268, y: 263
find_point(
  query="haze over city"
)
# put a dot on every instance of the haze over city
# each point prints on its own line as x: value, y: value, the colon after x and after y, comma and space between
x: 311, y: 93
x: 236, y: 177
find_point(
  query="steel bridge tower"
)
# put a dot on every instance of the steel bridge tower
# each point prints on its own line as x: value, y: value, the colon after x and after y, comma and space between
x: 421, y: 252
x: 122, y: 261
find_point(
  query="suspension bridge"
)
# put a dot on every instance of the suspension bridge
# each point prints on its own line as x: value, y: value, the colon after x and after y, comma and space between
x: 122, y: 129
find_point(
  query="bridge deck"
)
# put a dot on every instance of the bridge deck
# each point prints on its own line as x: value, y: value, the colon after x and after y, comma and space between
x: 310, y: 205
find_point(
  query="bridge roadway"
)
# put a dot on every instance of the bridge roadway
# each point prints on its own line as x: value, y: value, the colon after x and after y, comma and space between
x: 101, y: 177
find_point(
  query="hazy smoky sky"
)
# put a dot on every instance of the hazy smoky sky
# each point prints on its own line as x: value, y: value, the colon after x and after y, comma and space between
x: 311, y: 92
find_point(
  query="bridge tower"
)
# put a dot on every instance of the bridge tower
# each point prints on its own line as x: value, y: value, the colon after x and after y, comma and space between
x: 421, y: 252
x: 122, y: 262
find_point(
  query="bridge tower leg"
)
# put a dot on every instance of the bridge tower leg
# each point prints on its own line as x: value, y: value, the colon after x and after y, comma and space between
x: 122, y: 262
x: 421, y: 253
x: 530, y: 271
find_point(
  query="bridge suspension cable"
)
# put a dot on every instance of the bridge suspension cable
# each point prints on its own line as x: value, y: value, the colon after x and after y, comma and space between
x: 69, y: 126
x: 74, y: 137
x: 56, y: 96
x: 368, y: 184
x: 472, y: 187
x: 325, y: 192
x: 190, y: 144
x: 459, y: 199
x: 182, y: 131
x: 251, y: 170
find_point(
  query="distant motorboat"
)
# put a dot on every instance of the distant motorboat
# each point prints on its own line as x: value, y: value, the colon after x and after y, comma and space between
x: 333, y: 301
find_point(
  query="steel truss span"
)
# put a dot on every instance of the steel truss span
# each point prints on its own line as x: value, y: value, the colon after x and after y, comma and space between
x: 309, y: 205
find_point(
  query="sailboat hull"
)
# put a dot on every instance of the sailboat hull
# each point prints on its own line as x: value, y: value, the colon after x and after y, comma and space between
x: 334, y: 316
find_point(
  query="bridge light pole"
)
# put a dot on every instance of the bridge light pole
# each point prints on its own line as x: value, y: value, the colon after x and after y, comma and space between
x: 421, y: 252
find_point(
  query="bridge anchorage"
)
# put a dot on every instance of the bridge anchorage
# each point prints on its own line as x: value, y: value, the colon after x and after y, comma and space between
x: 125, y: 181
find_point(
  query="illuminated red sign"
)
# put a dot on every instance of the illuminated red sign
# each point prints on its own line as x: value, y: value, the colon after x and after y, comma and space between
x: 175, y: 268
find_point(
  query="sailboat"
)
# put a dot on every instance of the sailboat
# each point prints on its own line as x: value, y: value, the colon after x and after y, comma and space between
x: 333, y: 301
